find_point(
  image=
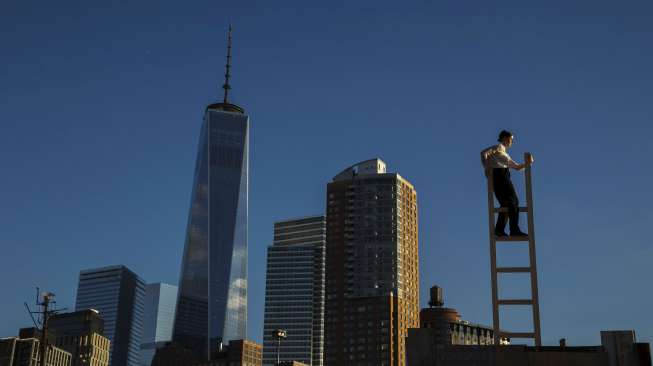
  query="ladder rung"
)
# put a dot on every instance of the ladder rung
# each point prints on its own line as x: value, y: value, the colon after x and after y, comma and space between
x: 523, y: 238
x: 513, y: 269
x: 516, y: 335
x: 515, y: 302
x: 505, y: 209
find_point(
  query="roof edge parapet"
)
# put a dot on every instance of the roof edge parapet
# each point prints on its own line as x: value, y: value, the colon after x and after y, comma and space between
x: 227, y: 107
x: 366, y: 167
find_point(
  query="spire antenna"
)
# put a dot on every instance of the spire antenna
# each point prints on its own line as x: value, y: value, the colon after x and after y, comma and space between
x: 225, y: 105
x: 227, y: 74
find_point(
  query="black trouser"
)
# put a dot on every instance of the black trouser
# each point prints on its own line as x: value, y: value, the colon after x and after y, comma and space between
x: 507, y: 197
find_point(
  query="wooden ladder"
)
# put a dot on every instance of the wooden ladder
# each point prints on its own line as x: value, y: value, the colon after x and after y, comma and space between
x: 531, y: 269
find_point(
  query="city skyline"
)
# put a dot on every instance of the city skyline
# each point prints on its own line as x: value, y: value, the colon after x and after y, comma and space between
x: 121, y: 180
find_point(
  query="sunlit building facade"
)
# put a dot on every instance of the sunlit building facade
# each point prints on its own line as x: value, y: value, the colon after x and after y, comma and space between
x: 15, y: 351
x: 81, y: 333
x: 160, y: 306
x: 372, y: 275
x: 240, y: 352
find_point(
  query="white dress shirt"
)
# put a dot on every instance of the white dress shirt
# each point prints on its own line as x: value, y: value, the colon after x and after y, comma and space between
x: 497, y: 157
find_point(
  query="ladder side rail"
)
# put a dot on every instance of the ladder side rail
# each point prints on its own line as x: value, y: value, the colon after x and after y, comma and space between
x: 493, y: 258
x: 531, y: 252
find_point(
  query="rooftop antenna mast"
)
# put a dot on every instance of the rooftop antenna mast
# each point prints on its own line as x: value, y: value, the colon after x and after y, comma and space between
x: 45, y: 301
x: 227, y: 74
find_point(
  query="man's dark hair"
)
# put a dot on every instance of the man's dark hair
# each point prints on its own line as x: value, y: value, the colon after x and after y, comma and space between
x: 503, y: 134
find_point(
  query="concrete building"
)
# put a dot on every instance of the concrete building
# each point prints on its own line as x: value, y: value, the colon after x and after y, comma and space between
x: 81, y: 334
x: 618, y: 348
x: 117, y: 294
x: 449, y: 328
x: 172, y: 354
x: 624, y: 350
x: 372, y: 275
x: 159, y: 316
x: 212, y: 304
x: 16, y: 351
x: 237, y: 353
x: 294, y: 291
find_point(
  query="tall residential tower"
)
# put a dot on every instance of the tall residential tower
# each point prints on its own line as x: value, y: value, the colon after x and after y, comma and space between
x: 294, y: 291
x: 372, y: 276
x: 212, y: 302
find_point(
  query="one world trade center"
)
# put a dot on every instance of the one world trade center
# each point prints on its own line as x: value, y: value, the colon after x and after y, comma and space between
x: 212, y: 302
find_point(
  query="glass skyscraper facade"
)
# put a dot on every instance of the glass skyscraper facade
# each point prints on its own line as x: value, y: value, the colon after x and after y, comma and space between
x: 294, y: 291
x: 160, y: 306
x: 212, y: 302
x: 118, y: 295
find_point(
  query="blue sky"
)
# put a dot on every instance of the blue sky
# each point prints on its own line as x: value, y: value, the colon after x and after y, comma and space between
x: 101, y: 105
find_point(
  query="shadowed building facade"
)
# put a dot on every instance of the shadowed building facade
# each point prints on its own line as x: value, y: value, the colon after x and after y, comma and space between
x: 618, y: 348
x: 239, y: 352
x: 294, y: 291
x: 372, y: 276
x: 212, y: 302
x: 117, y: 294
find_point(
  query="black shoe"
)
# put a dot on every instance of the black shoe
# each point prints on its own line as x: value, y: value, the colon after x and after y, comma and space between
x: 518, y: 233
x: 500, y: 234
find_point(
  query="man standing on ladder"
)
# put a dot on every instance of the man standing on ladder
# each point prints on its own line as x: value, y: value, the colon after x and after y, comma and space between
x: 497, y: 163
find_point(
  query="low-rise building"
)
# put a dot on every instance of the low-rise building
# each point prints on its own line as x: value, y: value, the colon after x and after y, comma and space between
x: 16, y: 351
x: 240, y: 352
x: 447, y: 326
x: 236, y: 353
x: 618, y: 348
x: 444, y: 339
x: 81, y: 333
x: 173, y: 354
